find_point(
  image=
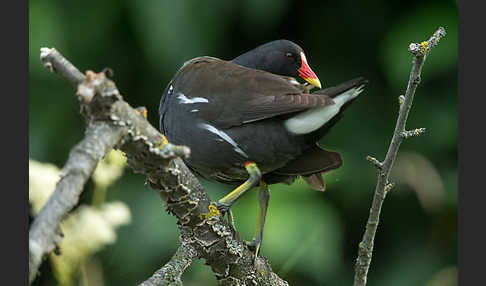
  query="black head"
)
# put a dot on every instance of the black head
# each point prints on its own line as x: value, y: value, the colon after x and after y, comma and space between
x: 281, y: 57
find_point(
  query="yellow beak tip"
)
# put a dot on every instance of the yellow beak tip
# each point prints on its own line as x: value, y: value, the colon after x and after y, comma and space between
x: 314, y: 81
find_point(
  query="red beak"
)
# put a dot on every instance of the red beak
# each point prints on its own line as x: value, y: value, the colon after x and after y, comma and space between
x: 306, y: 73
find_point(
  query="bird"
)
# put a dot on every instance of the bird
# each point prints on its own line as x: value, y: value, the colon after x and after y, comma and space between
x: 249, y: 122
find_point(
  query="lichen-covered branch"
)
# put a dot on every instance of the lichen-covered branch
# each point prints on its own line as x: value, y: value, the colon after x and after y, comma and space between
x: 172, y: 271
x: 100, y: 137
x: 419, y: 52
x: 201, y: 226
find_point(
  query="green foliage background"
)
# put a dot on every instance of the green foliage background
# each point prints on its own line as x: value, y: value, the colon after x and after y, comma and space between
x: 311, y: 238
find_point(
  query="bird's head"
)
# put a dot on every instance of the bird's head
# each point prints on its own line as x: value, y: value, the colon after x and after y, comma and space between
x: 281, y: 57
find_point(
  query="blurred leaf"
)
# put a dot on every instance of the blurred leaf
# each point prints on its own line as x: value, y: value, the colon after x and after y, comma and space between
x: 417, y: 171
x: 46, y: 28
x: 413, y: 265
x: 43, y: 178
x: 150, y: 239
x: 416, y: 27
x: 302, y: 231
x: 86, y: 231
x: 173, y: 32
x: 447, y: 276
x: 256, y: 14
x: 450, y: 182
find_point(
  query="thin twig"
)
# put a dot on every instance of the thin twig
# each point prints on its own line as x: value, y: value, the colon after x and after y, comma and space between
x: 171, y: 272
x: 419, y: 52
x: 55, y: 62
x: 84, y: 157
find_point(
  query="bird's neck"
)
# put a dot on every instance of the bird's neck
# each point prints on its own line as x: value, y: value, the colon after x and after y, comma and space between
x: 251, y: 60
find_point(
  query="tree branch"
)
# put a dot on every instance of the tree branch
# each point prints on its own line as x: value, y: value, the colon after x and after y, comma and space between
x: 100, y: 137
x: 55, y: 62
x: 84, y: 157
x: 419, y: 52
x: 201, y: 225
x: 172, y: 271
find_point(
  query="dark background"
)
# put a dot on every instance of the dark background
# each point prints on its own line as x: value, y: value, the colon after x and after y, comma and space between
x: 311, y: 238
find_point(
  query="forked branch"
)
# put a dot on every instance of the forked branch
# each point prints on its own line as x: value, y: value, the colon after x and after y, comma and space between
x: 111, y: 122
x: 420, y: 53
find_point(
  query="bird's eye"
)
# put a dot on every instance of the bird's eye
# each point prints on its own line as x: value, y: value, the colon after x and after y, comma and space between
x: 288, y: 55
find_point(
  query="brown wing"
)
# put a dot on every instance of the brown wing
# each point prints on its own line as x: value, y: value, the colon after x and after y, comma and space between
x: 314, y: 160
x: 237, y: 95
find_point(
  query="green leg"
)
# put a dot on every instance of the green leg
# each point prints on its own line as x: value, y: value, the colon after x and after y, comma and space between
x: 231, y: 221
x: 227, y: 201
x: 263, y: 199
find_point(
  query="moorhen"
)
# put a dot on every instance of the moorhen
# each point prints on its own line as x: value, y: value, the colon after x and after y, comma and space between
x: 248, y: 122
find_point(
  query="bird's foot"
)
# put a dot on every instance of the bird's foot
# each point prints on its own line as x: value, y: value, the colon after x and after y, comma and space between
x: 224, y: 208
x: 254, y: 246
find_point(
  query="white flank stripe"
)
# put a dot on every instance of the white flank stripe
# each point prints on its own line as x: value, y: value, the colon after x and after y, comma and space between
x: 184, y: 100
x: 313, y: 119
x: 225, y: 136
